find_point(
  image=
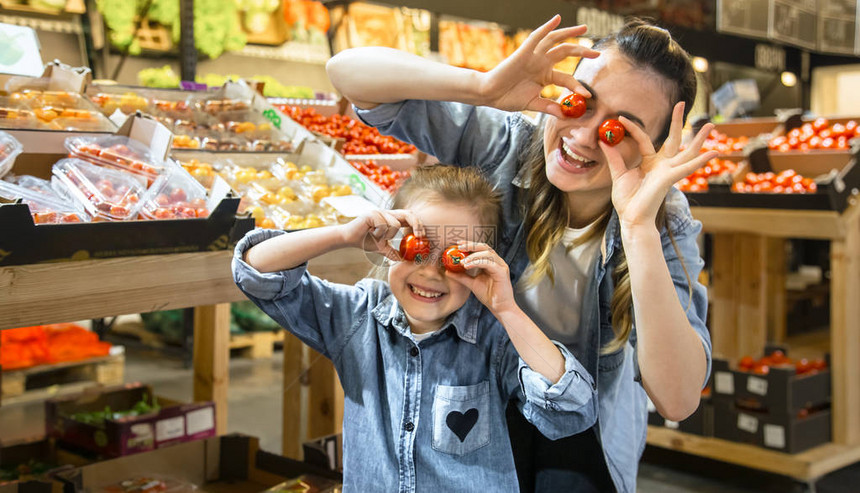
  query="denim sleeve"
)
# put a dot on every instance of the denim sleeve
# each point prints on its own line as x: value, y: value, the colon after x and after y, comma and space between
x: 559, y: 409
x: 320, y: 313
x: 693, y: 295
x: 456, y: 133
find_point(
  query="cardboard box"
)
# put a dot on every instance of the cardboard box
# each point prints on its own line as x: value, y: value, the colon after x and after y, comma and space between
x: 231, y: 463
x: 325, y: 452
x: 25, y: 452
x: 785, y: 433
x: 701, y: 422
x: 781, y: 391
x: 129, y: 435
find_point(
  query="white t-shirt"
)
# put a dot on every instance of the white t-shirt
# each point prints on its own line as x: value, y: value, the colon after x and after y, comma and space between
x: 426, y: 335
x: 556, y: 308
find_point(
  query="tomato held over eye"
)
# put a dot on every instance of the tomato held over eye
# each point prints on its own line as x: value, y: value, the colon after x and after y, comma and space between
x: 452, y: 259
x: 611, y: 132
x: 573, y: 106
x: 414, y: 248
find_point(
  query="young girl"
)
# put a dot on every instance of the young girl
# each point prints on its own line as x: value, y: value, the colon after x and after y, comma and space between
x: 602, y: 247
x: 426, y: 373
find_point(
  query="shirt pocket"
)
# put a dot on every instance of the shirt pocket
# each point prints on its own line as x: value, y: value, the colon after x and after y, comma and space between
x: 461, y: 418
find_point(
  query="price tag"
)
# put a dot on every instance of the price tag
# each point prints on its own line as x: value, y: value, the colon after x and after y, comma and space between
x: 774, y: 436
x: 200, y: 420
x: 671, y: 424
x: 273, y: 117
x: 757, y: 385
x: 747, y: 423
x: 724, y: 383
x: 168, y: 429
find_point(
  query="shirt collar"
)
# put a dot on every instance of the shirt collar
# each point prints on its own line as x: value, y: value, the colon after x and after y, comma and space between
x: 465, y: 320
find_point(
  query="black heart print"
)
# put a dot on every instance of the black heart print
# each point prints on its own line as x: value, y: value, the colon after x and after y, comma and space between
x: 462, y: 423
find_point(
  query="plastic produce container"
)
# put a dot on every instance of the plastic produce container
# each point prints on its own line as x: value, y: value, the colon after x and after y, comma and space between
x: 45, y: 209
x: 106, y: 194
x: 118, y: 152
x: 175, y: 195
x: 33, y: 183
x: 9, y: 150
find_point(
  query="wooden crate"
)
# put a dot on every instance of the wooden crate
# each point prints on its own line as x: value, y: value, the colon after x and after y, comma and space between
x: 43, y: 381
x: 256, y: 345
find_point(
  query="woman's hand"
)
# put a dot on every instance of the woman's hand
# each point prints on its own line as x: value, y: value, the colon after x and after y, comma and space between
x: 516, y: 83
x: 638, y: 192
x: 487, y: 276
x: 373, y: 230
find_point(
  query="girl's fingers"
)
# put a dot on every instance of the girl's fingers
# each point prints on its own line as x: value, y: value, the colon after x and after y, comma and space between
x: 408, y: 218
x: 473, y: 246
x: 646, y: 147
x: 563, y: 79
x: 389, y: 253
x: 540, y: 33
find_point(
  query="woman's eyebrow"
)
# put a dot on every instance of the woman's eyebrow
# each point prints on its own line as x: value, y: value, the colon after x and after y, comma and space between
x: 630, y: 116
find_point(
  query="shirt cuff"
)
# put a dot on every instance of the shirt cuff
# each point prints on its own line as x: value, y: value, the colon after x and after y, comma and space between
x: 573, y: 390
x: 264, y: 286
x: 379, y: 115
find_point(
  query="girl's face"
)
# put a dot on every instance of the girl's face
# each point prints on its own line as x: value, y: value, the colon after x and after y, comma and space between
x: 426, y: 293
x: 574, y: 161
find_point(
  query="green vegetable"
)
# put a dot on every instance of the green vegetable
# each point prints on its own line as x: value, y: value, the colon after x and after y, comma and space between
x: 163, y: 77
x: 97, y: 418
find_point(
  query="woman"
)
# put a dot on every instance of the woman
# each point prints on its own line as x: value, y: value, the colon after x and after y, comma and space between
x: 601, y: 245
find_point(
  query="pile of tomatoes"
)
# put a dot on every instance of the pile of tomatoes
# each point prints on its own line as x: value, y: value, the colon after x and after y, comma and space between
x: 720, y: 142
x: 360, y: 138
x: 778, y: 359
x: 787, y: 181
x: 387, y: 179
x: 819, y: 134
x: 47, y: 344
x: 698, y: 180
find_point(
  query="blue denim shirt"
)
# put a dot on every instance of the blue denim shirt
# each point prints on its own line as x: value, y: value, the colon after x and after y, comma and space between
x: 426, y: 416
x: 495, y: 141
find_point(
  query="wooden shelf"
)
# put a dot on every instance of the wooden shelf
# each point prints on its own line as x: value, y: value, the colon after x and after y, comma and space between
x: 805, y: 466
x: 776, y: 223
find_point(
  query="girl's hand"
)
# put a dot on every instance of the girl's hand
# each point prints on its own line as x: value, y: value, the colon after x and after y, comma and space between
x: 637, y: 193
x: 373, y: 230
x: 487, y: 276
x: 516, y: 83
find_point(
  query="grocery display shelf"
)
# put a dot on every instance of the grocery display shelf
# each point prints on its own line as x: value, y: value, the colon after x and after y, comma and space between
x: 806, y: 466
x: 748, y: 311
x: 38, y: 294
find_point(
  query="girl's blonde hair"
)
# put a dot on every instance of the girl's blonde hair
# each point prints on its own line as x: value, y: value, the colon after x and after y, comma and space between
x: 466, y: 186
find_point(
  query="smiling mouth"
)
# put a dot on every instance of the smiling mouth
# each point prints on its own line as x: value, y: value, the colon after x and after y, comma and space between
x: 425, y: 293
x: 574, y: 159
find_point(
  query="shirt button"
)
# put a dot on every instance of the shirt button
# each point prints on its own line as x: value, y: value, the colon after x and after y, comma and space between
x: 409, y: 426
x: 413, y: 351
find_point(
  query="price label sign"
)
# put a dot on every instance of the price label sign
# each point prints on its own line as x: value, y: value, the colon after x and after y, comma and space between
x: 795, y: 22
x: 744, y: 17
x: 273, y: 117
x: 747, y: 423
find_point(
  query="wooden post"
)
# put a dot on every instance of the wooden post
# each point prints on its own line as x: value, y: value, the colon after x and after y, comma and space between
x: 723, y: 306
x: 291, y: 438
x: 323, y: 378
x: 212, y: 359
x: 776, y: 296
x: 845, y: 330
x: 751, y: 295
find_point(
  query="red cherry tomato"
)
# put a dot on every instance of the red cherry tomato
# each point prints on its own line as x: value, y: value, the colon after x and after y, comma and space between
x: 747, y: 363
x: 414, y: 248
x: 573, y: 106
x: 452, y: 259
x: 611, y: 132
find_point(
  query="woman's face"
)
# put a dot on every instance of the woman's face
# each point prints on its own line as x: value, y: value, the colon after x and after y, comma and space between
x: 574, y: 161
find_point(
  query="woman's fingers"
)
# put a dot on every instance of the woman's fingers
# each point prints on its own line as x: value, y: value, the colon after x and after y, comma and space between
x: 643, y: 141
x: 673, y: 141
x: 563, y: 79
x: 559, y: 36
x: 616, y: 164
x: 685, y: 169
x: 540, y: 33
x: 565, y: 50
x: 545, y: 105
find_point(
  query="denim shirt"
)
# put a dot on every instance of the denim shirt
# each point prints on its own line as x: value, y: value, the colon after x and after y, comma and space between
x: 495, y: 142
x: 426, y: 416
